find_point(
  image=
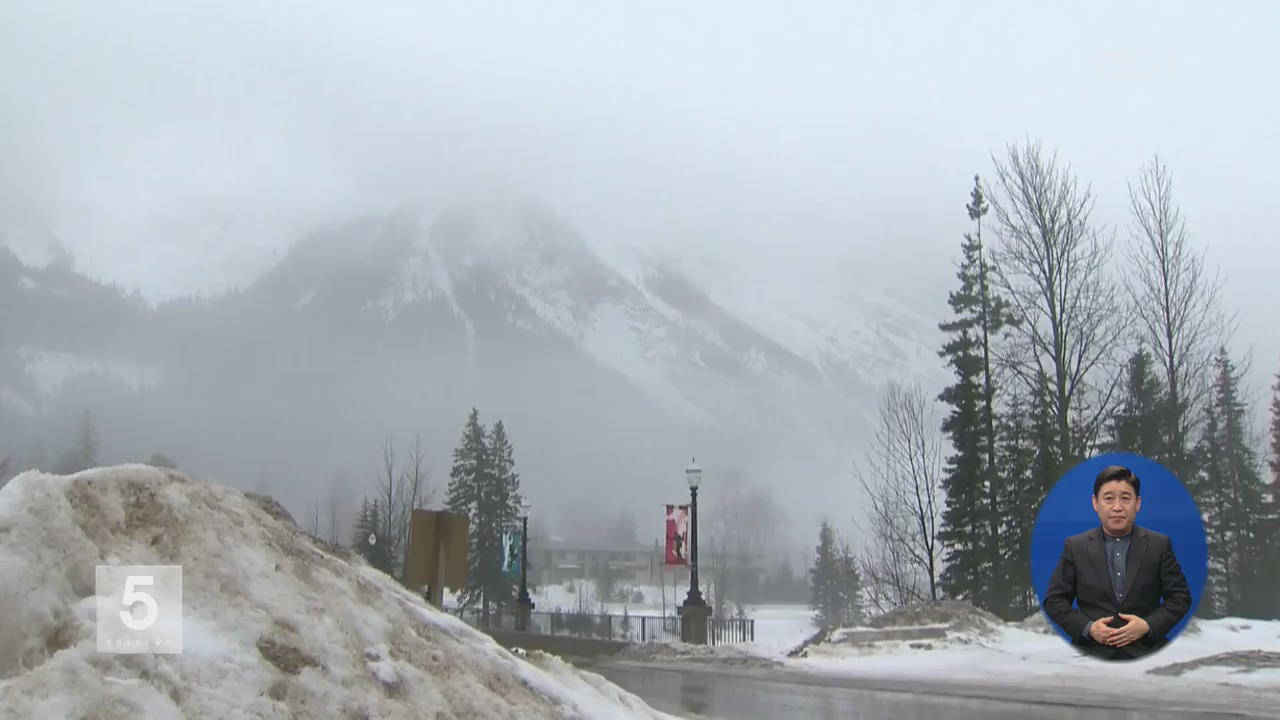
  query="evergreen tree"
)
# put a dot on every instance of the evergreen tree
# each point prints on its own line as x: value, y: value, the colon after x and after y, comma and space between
x: 1270, y: 528
x: 467, y: 479
x: 1028, y: 468
x: 970, y: 520
x: 1228, y: 488
x: 484, y: 485
x: 499, y: 508
x: 1275, y: 435
x: 1138, y: 423
x: 824, y: 579
x: 850, y: 587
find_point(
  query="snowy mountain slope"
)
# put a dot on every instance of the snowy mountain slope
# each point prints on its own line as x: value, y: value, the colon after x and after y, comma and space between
x: 273, y: 624
x: 497, y: 267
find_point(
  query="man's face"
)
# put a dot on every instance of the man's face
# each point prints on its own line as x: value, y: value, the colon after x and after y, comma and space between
x: 1117, y: 506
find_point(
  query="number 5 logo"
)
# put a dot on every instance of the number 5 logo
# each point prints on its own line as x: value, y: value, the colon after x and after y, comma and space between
x: 132, y: 596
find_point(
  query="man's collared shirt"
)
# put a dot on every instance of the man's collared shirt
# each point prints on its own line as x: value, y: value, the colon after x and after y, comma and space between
x: 1117, y: 555
x: 1117, y: 550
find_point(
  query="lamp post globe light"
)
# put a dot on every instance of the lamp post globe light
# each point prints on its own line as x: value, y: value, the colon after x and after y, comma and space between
x: 694, y: 612
x: 693, y: 474
x: 524, y: 603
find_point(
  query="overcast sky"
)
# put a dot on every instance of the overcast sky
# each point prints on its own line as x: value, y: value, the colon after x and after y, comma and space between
x: 180, y: 149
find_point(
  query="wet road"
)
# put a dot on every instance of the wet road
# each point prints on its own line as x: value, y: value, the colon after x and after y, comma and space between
x: 694, y: 691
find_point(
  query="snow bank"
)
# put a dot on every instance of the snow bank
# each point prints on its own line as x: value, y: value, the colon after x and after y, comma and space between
x: 736, y: 655
x: 977, y: 647
x: 275, y: 624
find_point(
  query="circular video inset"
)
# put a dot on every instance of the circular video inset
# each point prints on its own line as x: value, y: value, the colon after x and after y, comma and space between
x: 1118, y: 556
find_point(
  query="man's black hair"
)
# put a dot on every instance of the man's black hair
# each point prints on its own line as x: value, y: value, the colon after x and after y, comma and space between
x: 1118, y: 472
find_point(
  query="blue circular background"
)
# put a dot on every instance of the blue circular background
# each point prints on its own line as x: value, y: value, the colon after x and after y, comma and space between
x: 1167, y: 507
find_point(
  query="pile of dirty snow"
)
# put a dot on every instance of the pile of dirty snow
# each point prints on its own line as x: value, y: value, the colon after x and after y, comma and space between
x: 724, y: 655
x: 956, y: 615
x: 1037, y: 623
x: 274, y: 623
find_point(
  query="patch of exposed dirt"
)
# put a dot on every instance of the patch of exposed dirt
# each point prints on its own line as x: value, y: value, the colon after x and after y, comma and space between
x: 272, y: 507
x: 286, y: 658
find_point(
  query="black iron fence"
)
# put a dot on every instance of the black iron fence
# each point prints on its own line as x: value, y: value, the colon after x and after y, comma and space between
x: 607, y: 626
x: 730, y: 631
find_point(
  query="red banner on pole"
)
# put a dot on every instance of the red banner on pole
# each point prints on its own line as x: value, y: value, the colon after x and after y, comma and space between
x: 677, y: 534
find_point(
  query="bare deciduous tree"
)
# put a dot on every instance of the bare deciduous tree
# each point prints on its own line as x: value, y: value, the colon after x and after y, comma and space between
x: 399, y: 494
x: 1052, y: 264
x: 901, y: 563
x: 332, y: 507
x: 388, y: 496
x: 1175, y: 302
x: 745, y: 521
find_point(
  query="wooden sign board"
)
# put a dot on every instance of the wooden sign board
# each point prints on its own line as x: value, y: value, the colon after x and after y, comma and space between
x: 437, y: 550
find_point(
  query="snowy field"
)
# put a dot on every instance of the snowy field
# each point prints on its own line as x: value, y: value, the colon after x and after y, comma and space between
x: 273, y: 624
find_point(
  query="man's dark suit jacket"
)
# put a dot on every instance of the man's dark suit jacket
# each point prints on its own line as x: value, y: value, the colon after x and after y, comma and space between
x: 1151, y: 573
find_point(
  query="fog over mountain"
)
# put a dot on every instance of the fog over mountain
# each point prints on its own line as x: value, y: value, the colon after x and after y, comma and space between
x: 608, y: 379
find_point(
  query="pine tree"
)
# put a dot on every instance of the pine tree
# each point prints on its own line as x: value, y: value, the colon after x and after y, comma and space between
x: 1275, y: 435
x: 1137, y: 426
x: 467, y: 480
x: 500, y: 509
x: 824, y: 579
x: 1028, y: 468
x: 850, y: 587
x: 1228, y: 488
x: 970, y: 520
x: 362, y: 528
x: 1270, y: 529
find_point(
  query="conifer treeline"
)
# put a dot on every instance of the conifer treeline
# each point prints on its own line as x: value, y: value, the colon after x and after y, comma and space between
x: 1061, y: 348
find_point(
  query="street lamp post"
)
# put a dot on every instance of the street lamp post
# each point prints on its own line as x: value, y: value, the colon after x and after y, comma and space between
x: 524, y: 603
x: 694, y: 612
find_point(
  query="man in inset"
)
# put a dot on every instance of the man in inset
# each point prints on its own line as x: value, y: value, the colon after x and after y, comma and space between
x: 1117, y: 574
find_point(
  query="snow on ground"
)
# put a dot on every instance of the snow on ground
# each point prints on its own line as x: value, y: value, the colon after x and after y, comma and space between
x: 1030, y: 652
x: 569, y: 597
x: 779, y: 628
x: 275, y: 624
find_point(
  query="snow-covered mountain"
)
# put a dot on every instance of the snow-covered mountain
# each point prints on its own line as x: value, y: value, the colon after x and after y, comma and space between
x: 496, y: 268
x: 609, y: 373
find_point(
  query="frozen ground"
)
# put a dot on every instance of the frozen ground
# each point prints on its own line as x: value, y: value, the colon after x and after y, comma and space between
x: 274, y: 624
